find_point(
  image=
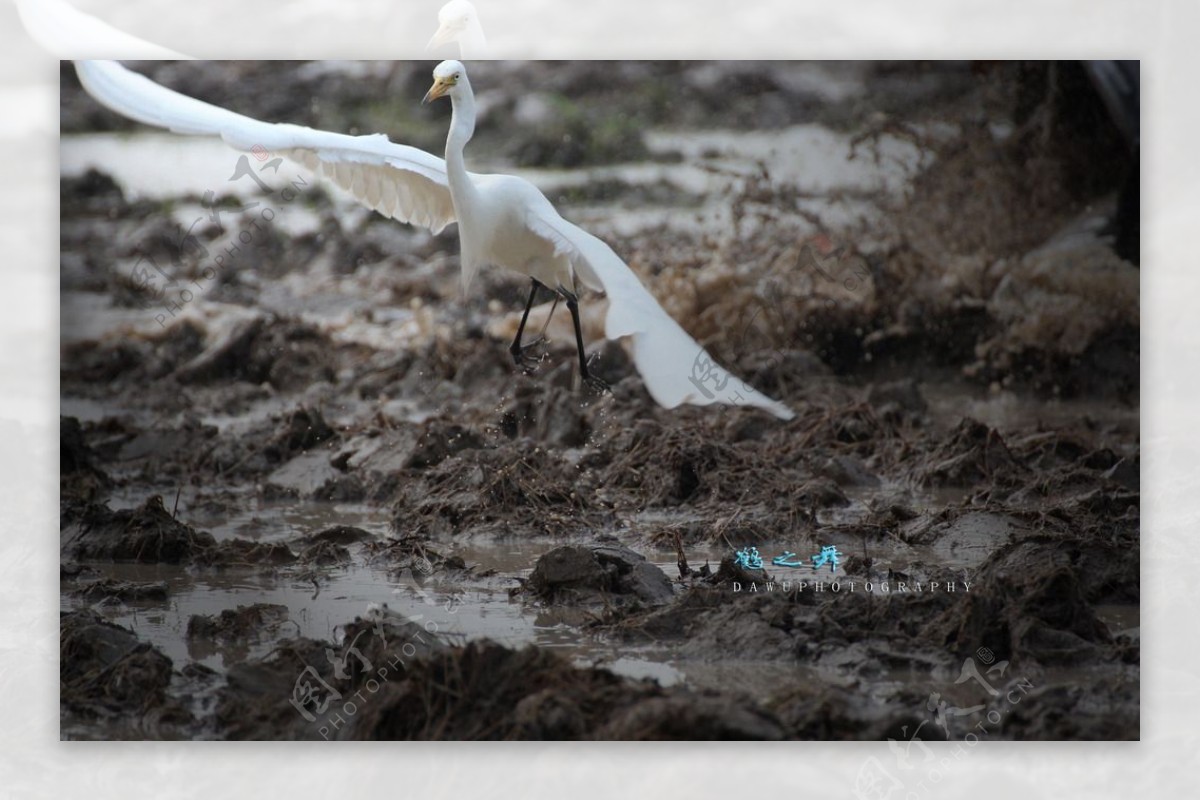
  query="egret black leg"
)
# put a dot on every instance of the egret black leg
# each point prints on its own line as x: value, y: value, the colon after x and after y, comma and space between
x: 520, y: 353
x: 588, y: 378
x: 545, y: 325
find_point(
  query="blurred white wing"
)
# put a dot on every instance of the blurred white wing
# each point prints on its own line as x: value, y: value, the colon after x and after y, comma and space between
x: 398, y: 181
x: 675, y: 368
x: 69, y: 33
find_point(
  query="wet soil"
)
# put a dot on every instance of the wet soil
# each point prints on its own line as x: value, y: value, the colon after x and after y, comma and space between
x: 317, y: 500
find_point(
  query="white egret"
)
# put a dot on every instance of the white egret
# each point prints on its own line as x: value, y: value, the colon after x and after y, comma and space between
x: 502, y: 220
x: 459, y: 22
x: 68, y: 32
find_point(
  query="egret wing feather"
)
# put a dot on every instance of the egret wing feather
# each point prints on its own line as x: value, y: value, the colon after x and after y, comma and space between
x: 675, y: 368
x: 398, y: 181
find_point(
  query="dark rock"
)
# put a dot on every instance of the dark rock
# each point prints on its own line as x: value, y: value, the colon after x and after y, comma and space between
x: 580, y: 572
x: 72, y: 570
x: 343, y: 489
x: 634, y: 574
x: 256, y: 701
x: 549, y: 715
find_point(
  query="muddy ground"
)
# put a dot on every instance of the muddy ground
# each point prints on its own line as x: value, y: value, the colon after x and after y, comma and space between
x: 317, y: 500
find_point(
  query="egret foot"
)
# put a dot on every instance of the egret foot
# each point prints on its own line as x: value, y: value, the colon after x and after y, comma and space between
x: 521, y: 353
x: 525, y: 356
x: 597, y: 385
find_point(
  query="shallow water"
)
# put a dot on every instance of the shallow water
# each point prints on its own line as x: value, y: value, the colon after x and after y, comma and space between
x: 474, y: 608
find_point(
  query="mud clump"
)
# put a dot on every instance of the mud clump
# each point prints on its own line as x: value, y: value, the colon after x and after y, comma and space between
x: 973, y: 453
x: 304, y: 429
x: 256, y: 704
x: 898, y: 401
x: 148, y: 533
x: 112, y: 591
x: 340, y: 535
x: 1103, y: 709
x: 853, y: 631
x: 668, y: 465
x: 515, y: 486
x: 546, y: 414
x: 1033, y: 602
x: 74, y: 454
x: 81, y: 480
x: 415, y: 554
x: 289, y: 355
x: 299, y: 690
x: 106, y: 672
x: 245, y: 622
x: 485, y: 691
x: 242, y: 552
x: 578, y: 574
x: 323, y: 554
x: 94, y: 192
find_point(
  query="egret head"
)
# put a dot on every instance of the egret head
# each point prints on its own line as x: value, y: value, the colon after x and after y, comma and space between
x: 447, y: 78
x: 453, y: 20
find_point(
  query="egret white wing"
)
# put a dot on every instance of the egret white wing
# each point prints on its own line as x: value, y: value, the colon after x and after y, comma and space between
x: 69, y: 33
x: 675, y: 367
x: 398, y: 181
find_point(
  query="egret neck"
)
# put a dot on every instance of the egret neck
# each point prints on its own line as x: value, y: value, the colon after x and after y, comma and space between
x: 462, y: 128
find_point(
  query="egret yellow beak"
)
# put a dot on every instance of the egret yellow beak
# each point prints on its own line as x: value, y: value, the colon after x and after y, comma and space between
x: 445, y: 34
x: 438, y: 89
